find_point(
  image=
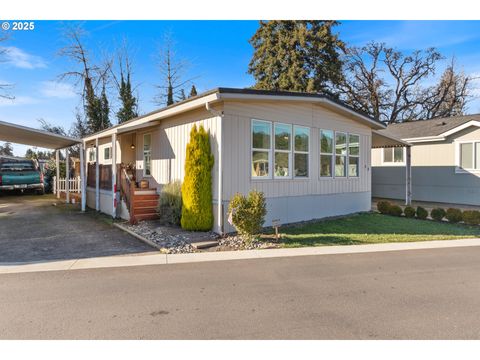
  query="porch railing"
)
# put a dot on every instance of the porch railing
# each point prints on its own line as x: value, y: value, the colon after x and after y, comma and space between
x: 127, y: 191
x: 74, y: 185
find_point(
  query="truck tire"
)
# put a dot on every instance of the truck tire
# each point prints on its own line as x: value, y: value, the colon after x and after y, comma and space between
x: 41, y: 192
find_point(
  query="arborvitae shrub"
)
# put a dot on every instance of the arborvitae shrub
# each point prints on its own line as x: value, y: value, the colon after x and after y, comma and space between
x: 197, y: 212
x: 454, y: 215
x: 395, y: 210
x: 471, y: 217
x: 383, y: 206
x: 422, y: 213
x: 437, y: 214
x: 409, y: 212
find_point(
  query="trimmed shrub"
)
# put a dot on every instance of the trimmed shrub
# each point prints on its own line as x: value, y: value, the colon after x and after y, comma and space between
x: 383, y: 206
x: 409, y: 212
x: 247, y: 214
x: 395, y: 210
x: 471, y: 217
x: 197, y: 212
x: 437, y: 214
x: 454, y: 215
x: 170, y: 203
x: 422, y: 213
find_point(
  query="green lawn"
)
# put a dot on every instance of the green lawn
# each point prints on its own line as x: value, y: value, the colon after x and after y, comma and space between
x: 372, y: 228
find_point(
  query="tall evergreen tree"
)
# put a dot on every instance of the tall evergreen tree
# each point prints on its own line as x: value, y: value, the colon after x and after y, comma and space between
x: 296, y: 55
x: 104, y: 110
x: 6, y: 149
x: 181, y: 95
x: 193, y: 91
x: 129, y: 105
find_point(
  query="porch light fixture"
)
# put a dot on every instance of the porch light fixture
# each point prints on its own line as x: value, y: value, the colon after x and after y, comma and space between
x: 133, y: 145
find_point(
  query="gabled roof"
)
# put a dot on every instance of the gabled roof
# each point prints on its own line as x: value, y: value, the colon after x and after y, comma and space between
x: 434, y: 128
x: 222, y: 93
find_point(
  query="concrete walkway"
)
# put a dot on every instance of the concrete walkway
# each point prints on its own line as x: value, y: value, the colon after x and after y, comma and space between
x: 165, y: 259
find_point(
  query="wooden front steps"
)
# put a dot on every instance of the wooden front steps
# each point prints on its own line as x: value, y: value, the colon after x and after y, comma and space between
x: 144, y: 207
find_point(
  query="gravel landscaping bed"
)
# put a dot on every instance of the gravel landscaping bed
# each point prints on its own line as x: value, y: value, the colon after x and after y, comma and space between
x: 174, y: 240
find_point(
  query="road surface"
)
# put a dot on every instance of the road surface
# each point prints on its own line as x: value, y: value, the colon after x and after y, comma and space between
x: 421, y: 294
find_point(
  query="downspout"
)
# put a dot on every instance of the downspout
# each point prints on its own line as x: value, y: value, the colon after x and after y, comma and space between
x: 219, y: 114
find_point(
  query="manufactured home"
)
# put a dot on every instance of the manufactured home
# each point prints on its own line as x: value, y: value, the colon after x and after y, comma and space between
x: 445, y: 161
x: 309, y: 154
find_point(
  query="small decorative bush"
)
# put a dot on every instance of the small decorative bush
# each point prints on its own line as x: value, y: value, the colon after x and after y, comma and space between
x: 422, y: 213
x: 395, y: 210
x: 471, y: 217
x: 247, y: 214
x: 437, y: 214
x: 170, y: 203
x: 383, y: 206
x: 454, y: 215
x: 409, y: 212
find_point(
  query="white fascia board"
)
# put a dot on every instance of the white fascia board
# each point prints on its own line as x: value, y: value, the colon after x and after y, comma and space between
x: 424, y: 139
x: 444, y: 135
x: 158, y: 115
x: 461, y: 127
x: 257, y: 97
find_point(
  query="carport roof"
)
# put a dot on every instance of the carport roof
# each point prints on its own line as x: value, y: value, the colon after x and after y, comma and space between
x: 29, y: 136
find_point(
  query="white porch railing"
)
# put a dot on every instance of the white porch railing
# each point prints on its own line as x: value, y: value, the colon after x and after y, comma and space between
x: 74, y: 185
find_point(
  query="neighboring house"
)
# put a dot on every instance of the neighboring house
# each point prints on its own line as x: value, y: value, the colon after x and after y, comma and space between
x: 309, y: 154
x: 445, y: 158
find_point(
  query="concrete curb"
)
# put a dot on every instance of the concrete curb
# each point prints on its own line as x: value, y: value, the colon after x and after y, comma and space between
x: 164, y: 259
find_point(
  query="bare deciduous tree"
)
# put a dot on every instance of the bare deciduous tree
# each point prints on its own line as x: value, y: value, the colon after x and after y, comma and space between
x: 5, y: 88
x: 172, y: 71
x: 387, y: 84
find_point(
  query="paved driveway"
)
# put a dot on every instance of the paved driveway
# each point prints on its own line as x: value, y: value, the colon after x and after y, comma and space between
x: 41, y: 228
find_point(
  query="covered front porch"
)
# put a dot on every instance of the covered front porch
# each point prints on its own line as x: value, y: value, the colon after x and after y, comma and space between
x: 119, y: 173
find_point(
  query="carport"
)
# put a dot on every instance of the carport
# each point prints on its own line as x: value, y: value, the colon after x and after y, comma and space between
x: 382, y: 140
x: 29, y: 136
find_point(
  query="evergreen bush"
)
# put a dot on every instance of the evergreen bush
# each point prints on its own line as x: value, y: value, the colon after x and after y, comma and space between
x: 170, y: 203
x: 454, y: 215
x: 437, y: 214
x: 248, y: 213
x: 197, y: 212
x: 471, y: 217
x: 409, y: 212
x: 422, y: 213
x: 383, y: 206
x: 395, y: 210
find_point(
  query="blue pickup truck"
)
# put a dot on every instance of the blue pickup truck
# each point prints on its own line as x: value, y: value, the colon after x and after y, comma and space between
x: 20, y: 174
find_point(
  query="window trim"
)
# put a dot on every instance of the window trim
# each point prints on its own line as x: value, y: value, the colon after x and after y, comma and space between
x: 143, y: 155
x: 354, y: 156
x: 109, y: 149
x: 332, y: 154
x: 458, y: 167
x: 301, y: 152
x: 269, y: 150
x: 392, y: 163
x: 345, y: 156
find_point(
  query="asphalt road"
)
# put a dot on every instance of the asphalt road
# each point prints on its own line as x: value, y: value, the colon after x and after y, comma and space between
x: 421, y: 294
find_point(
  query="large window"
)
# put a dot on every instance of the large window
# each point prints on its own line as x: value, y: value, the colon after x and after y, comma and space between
x: 283, y: 150
x: 261, y: 148
x: 281, y: 147
x: 340, y: 154
x: 91, y: 154
x: 147, y: 154
x: 301, y: 149
x: 469, y: 155
x: 393, y: 155
x: 326, y: 153
x: 353, y: 155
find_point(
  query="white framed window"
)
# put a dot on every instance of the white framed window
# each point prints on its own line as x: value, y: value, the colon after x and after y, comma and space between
x: 393, y: 156
x: 92, y: 154
x: 467, y: 157
x: 326, y: 153
x: 261, y: 149
x: 282, y: 151
x: 107, y: 153
x: 353, y: 155
x: 147, y: 155
x: 340, y: 154
x: 301, y: 150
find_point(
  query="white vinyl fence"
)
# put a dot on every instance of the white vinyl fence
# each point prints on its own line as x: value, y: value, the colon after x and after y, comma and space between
x: 73, y: 184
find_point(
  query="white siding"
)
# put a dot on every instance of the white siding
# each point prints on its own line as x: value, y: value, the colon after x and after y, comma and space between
x: 237, y: 152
